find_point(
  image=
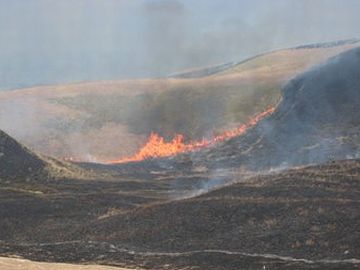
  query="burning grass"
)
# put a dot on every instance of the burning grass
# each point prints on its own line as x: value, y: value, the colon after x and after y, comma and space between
x: 157, y: 147
x: 108, y: 120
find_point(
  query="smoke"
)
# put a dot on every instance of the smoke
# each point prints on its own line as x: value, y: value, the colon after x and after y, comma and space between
x: 57, y: 41
x: 317, y: 121
x: 211, y: 180
x: 20, y: 117
x: 164, y: 34
x: 46, y: 42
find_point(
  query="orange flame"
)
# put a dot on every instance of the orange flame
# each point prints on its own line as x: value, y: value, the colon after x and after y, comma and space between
x: 157, y: 147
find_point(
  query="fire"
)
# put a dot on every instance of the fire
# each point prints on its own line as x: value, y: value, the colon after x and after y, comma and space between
x: 157, y: 147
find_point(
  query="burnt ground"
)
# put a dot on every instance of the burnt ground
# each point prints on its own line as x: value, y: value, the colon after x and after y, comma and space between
x: 17, y: 162
x: 305, y: 218
x: 201, y: 210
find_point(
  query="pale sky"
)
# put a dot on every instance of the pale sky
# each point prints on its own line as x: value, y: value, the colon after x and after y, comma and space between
x: 58, y: 41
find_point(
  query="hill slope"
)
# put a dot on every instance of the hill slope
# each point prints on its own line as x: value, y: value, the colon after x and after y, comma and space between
x: 107, y: 120
x: 19, y: 164
x: 17, y: 161
x: 316, y: 121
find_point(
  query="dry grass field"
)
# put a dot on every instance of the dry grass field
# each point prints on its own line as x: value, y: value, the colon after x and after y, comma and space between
x: 99, y: 121
x: 21, y: 264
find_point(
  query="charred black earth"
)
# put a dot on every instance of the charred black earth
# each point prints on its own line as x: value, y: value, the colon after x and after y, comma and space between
x: 17, y: 162
x: 305, y: 218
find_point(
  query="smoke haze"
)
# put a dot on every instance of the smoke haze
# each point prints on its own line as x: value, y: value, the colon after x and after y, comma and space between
x: 48, y: 41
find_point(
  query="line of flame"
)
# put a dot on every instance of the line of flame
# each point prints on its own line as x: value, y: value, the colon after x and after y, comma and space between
x: 157, y: 147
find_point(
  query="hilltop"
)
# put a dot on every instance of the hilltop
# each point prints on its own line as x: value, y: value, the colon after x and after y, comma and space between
x: 102, y: 121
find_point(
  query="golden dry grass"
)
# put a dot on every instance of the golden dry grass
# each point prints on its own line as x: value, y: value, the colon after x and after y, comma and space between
x: 98, y: 121
x: 21, y: 264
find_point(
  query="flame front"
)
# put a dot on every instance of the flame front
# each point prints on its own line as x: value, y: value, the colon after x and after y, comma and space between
x: 157, y: 147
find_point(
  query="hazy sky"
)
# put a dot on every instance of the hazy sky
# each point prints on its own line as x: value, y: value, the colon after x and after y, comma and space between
x: 54, y: 41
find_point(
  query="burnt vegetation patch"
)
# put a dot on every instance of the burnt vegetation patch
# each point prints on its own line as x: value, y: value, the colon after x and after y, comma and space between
x: 308, y: 213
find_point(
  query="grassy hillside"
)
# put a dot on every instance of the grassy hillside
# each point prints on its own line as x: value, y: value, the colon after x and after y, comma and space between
x: 106, y: 120
x: 316, y: 121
